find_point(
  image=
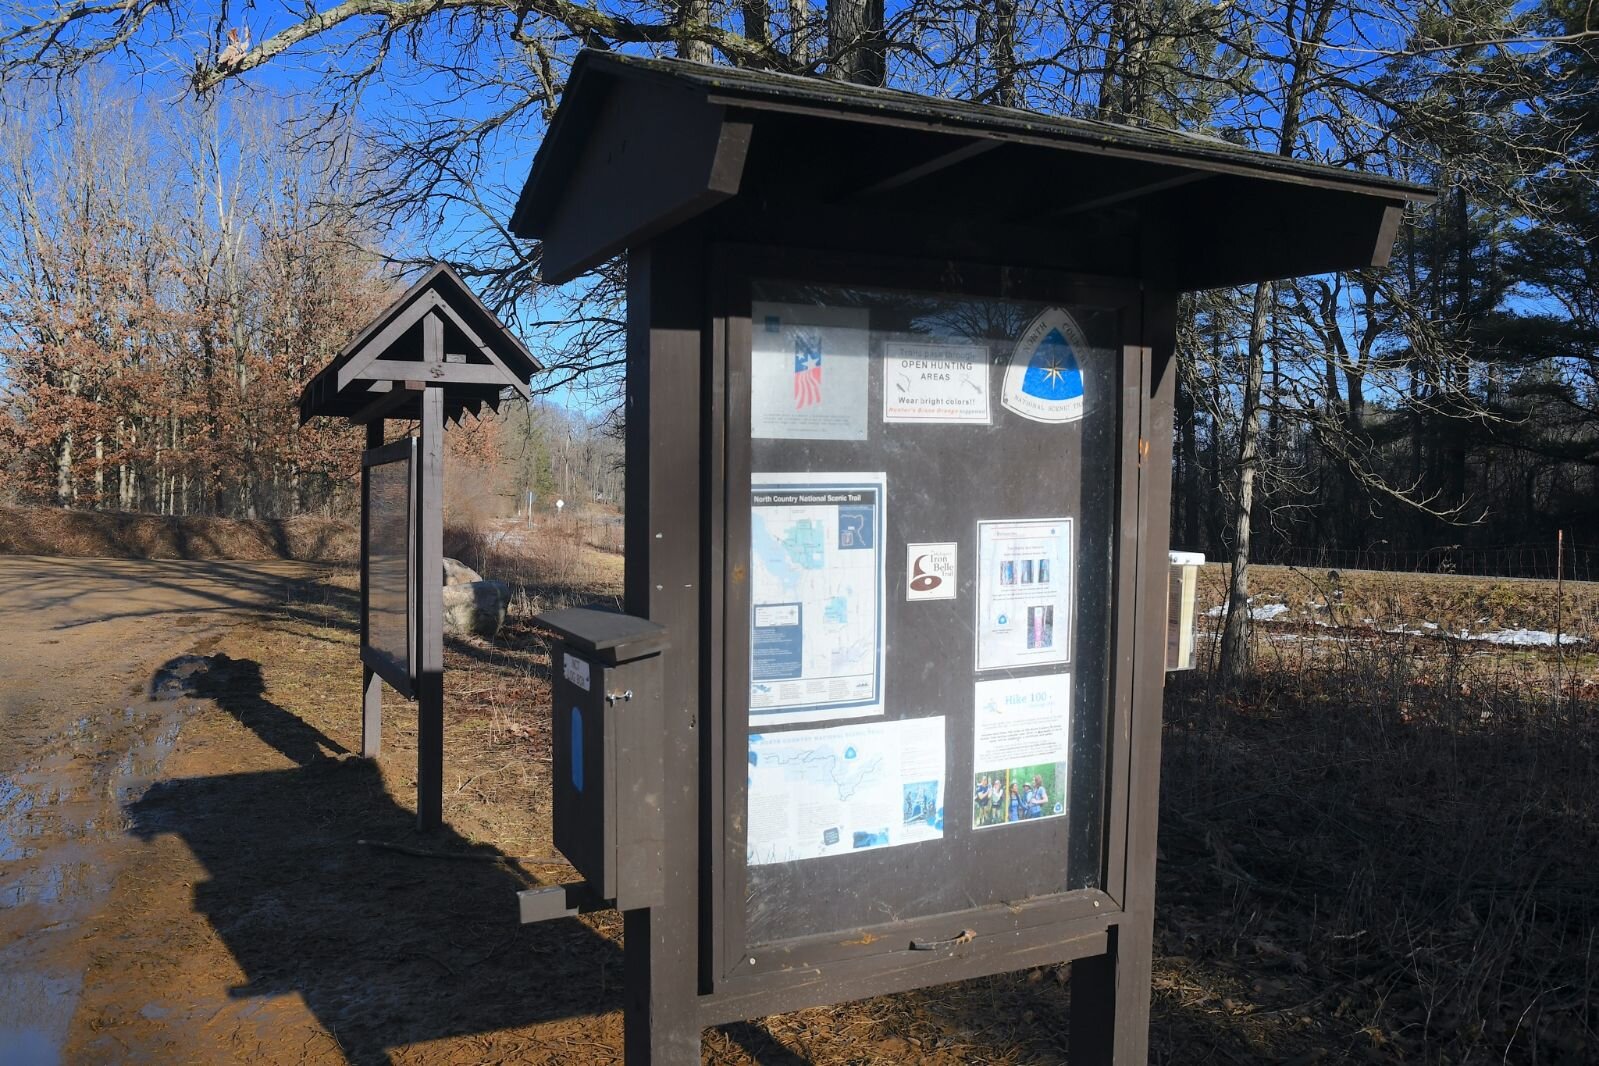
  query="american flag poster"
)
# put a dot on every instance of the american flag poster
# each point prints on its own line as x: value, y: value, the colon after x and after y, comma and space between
x: 809, y: 369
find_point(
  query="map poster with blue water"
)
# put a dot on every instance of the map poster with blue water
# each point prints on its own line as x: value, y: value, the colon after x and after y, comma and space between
x: 844, y: 789
x: 1044, y: 381
x: 816, y: 593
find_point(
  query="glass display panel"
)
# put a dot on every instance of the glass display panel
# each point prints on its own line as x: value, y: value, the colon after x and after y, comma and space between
x: 932, y: 499
x: 388, y: 563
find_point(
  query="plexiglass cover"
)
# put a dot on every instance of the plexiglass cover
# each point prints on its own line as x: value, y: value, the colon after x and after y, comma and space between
x: 932, y: 499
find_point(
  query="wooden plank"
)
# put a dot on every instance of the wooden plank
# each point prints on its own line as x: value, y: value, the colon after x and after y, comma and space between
x: 606, y: 635
x: 943, y: 161
x: 1393, y: 216
x: 389, y: 671
x: 1124, y: 654
x: 1135, y: 932
x: 383, y: 342
x: 386, y: 403
x: 440, y: 373
x: 1231, y: 232
x: 858, y: 980
x: 1121, y: 196
x: 430, y: 611
x: 663, y: 583
x: 656, y: 158
x: 371, y: 683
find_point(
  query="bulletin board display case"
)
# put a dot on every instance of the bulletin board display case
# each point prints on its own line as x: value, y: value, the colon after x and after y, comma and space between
x: 924, y: 474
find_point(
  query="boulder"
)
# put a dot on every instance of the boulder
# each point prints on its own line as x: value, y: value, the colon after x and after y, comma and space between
x: 476, y: 608
x: 458, y: 573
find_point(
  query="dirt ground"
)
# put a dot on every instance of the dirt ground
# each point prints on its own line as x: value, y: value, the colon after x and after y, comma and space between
x: 1383, y: 850
x: 200, y: 876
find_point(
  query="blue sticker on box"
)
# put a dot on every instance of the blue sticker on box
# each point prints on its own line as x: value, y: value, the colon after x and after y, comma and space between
x: 577, y: 749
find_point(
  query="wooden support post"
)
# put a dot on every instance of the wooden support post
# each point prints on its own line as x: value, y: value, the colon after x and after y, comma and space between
x: 430, y: 605
x: 660, y: 1019
x: 1110, y: 993
x: 371, y: 684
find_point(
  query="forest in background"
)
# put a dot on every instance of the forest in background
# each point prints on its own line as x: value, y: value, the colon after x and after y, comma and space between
x: 1450, y: 400
x: 172, y: 278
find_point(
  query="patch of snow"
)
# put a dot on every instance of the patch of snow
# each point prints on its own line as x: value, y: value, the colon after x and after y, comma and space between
x: 1258, y: 614
x: 1531, y: 638
x: 1429, y: 625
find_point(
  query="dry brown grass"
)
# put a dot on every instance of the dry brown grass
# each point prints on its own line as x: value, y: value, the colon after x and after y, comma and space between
x: 114, y: 535
x: 1384, y: 601
x: 1385, y: 848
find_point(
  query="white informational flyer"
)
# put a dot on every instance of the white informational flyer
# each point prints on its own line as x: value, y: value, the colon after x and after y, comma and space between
x: 1024, y: 583
x: 926, y: 382
x: 816, y: 596
x: 1021, y: 748
x: 816, y: 792
x: 809, y: 368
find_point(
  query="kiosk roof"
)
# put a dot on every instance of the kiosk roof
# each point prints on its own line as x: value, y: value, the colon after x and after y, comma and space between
x: 381, y: 371
x: 640, y: 146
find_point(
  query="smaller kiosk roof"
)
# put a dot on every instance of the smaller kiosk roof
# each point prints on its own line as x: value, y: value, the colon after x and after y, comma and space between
x: 381, y: 373
x: 640, y: 146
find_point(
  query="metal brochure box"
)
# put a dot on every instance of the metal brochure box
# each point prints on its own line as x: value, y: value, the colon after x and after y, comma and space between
x: 1182, y: 620
x: 607, y: 772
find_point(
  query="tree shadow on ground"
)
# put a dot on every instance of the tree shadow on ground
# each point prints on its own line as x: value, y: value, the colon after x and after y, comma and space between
x: 386, y: 949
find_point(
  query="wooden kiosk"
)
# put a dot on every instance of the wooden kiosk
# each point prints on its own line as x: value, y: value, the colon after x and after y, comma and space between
x: 885, y: 709
x: 433, y: 356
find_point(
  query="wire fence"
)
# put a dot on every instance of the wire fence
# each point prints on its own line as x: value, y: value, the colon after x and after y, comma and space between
x: 1577, y: 562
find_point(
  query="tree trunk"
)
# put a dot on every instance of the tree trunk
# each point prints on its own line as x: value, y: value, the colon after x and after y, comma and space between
x: 799, y: 17
x: 693, y: 13
x: 1236, y: 651
x: 64, y: 490
x: 855, y: 41
x: 757, y: 18
x: 1004, y: 53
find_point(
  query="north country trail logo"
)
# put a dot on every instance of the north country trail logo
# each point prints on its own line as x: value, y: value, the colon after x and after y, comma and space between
x: 1044, y: 381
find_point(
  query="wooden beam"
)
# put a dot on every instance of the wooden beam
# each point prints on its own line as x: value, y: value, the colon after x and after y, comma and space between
x: 942, y: 161
x: 441, y: 373
x: 656, y: 157
x: 386, y: 401
x: 1123, y: 195
x: 1387, y: 231
x: 430, y: 615
x: 384, y: 341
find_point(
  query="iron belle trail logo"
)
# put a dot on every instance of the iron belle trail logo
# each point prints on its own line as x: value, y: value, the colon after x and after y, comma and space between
x: 930, y: 571
x: 807, y: 370
x: 1044, y: 381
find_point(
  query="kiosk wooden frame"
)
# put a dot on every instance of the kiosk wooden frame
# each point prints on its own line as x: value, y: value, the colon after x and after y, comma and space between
x: 707, y: 178
x: 433, y: 356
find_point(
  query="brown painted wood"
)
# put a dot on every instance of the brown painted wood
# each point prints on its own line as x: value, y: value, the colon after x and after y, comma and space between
x: 440, y: 373
x: 342, y: 389
x: 662, y: 583
x: 371, y: 683
x: 430, y: 615
x: 690, y: 156
x: 387, y: 402
x: 606, y: 635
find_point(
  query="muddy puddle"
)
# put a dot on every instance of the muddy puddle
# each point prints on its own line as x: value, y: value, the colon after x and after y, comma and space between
x: 62, y: 837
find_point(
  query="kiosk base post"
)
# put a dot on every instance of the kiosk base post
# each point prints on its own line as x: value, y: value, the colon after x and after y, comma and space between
x: 660, y: 1025
x: 371, y: 714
